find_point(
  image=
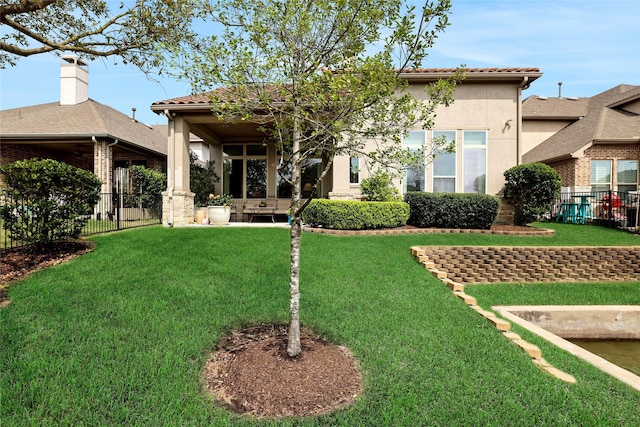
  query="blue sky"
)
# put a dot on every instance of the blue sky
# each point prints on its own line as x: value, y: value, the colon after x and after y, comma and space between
x: 589, y: 45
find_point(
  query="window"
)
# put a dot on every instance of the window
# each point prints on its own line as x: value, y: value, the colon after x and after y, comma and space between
x: 354, y: 170
x: 245, y: 170
x: 627, y: 175
x: 311, y: 171
x: 414, y: 176
x: 283, y: 181
x: 474, y: 161
x: 444, y: 165
x: 600, y: 175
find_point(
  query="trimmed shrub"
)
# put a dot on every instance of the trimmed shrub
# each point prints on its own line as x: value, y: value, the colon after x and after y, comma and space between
x: 379, y: 188
x: 355, y: 215
x: 47, y: 200
x: 452, y: 210
x: 532, y: 189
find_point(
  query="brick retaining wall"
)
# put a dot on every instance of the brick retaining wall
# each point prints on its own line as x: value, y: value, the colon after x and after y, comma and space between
x: 475, y: 264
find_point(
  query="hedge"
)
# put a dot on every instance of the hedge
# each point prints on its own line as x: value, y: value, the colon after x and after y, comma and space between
x: 452, y: 210
x: 355, y: 215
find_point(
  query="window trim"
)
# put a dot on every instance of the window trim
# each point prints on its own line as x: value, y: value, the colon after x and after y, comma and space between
x: 435, y: 134
x: 472, y: 146
x: 244, y: 157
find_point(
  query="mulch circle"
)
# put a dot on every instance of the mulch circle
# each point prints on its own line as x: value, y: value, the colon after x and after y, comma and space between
x: 251, y: 373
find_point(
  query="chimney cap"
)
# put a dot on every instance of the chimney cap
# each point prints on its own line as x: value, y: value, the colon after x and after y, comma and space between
x: 74, y: 59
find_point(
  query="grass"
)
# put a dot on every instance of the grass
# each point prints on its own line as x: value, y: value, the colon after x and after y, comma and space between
x: 120, y: 335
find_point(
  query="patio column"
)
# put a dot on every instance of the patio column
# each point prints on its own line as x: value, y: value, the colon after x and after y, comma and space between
x: 177, y: 201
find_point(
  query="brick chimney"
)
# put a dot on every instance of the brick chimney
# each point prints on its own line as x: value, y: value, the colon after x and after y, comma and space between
x: 74, y: 81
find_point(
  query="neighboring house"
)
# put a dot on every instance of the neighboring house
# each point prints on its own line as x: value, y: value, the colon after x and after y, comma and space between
x: 485, y: 121
x: 81, y: 132
x: 593, y: 143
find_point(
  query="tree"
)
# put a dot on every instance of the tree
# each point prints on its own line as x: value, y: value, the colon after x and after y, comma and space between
x: 322, y: 78
x: 532, y: 189
x: 147, y: 185
x: 136, y: 31
x: 47, y: 200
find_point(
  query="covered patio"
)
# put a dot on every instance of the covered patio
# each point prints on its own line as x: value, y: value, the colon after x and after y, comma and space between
x: 246, y: 160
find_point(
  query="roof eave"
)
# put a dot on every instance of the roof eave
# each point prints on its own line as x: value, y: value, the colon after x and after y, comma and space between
x: 39, y: 137
x: 476, y: 76
x: 160, y: 108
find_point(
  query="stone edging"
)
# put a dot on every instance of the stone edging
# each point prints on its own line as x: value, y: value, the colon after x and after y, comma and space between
x: 502, y: 325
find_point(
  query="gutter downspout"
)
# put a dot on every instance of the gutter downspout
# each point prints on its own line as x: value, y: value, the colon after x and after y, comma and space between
x: 171, y: 154
x: 522, y: 86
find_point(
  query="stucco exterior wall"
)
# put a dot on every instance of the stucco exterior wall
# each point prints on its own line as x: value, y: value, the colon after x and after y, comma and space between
x: 491, y: 107
x: 536, y: 131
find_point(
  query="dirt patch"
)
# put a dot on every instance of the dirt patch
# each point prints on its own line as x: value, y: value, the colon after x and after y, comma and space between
x: 251, y: 373
x: 20, y: 262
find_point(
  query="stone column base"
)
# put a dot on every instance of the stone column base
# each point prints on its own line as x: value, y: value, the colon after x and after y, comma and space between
x: 177, y: 208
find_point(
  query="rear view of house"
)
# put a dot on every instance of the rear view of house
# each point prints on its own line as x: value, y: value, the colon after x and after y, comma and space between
x: 484, y: 123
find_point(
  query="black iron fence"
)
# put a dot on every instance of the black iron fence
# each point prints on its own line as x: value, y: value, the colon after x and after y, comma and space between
x: 608, y: 208
x: 114, y: 211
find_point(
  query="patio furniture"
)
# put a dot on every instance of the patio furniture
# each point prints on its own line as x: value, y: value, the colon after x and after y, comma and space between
x: 568, y: 212
x: 261, y: 208
x: 585, y: 211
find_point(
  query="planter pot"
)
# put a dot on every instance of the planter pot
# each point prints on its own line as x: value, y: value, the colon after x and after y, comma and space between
x: 201, y: 213
x: 219, y: 215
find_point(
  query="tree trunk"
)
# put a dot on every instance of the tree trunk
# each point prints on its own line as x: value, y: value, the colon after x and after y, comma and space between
x: 293, y: 347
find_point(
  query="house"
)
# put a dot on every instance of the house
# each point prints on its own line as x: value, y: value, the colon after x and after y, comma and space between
x: 80, y: 131
x: 485, y: 122
x: 593, y: 143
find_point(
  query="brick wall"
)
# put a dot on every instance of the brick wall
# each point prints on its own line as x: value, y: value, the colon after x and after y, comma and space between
x: 608, y: 152
x: 577, y: 172
x: 12, y: 152
x: 567, y: 169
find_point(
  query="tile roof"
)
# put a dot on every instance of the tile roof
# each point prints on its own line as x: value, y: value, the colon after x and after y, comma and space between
x: 605, y: 120
x: 204, y: 98
x: 86, y: 119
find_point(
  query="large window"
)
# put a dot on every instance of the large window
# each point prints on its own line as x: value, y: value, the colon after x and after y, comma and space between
x: 474, y: 161
x: 444, y: 165
x: 245, y: 171
x: 354, y: 170
x: 600, y: 175
x: 311, y: 171
x: 414, y: 176
x: 627, y: 175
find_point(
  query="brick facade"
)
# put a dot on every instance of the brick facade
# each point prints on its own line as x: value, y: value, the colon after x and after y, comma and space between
x: 576, y: 173
x: 12, y: 152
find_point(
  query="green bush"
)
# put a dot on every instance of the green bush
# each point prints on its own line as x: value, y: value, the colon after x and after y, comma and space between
x: 452, y: 210
x: 532, y: 189
x: 147, y: 185
x: 47, y: 200
x: 379, y: 188
x: 354, y: 215
x: 202, y: 179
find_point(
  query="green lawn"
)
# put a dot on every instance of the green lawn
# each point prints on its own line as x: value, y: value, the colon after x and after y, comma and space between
x: 120, y: 335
